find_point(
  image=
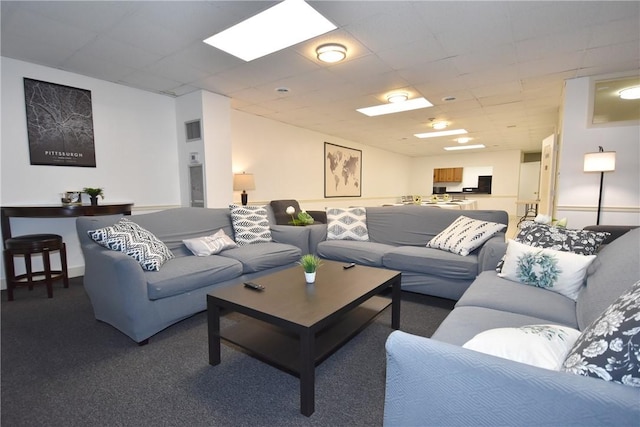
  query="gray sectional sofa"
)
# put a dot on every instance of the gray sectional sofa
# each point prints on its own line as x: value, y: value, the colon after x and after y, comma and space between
x: 397, y: 239
x: 141, y: 303
x: 438, y: 382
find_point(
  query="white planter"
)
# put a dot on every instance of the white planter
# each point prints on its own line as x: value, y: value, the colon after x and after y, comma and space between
x: 310, y: 277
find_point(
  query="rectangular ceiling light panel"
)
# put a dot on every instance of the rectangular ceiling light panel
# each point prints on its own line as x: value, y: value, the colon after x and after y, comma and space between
x: 441, y: 133
x: 283, y: 25
x: 395, y: 107
x: 464, y: 147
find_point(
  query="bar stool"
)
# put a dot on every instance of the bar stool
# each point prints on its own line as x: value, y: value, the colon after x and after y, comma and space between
x: 26, y: 246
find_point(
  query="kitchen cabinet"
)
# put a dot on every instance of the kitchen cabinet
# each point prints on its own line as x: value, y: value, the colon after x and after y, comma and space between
x: 447, y: 175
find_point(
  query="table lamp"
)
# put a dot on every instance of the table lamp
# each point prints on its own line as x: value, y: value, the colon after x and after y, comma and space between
x: 600, y: 161
x: 242, y: 182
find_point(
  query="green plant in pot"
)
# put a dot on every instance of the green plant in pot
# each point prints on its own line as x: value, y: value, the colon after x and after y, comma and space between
x: 93, y: 194
x: 310, y: 264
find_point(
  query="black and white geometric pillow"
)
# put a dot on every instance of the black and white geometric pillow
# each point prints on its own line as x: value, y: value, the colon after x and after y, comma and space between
x: 250, y: 224
x: 464, y: 235
x: 347, y: 224
x: 129, y: 238
x: 608, y: 349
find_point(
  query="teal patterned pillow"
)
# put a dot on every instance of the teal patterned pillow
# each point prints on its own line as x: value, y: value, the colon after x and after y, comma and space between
x: 609, y: 347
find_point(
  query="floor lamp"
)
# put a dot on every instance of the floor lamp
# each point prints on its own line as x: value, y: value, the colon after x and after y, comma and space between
x: 242, y: 182
x: 600, y: 161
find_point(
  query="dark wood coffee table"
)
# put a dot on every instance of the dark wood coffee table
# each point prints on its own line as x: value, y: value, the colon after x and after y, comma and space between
x: 294, y: 326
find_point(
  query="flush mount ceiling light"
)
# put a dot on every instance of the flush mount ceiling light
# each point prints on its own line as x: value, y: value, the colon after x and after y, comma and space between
x: 283, y: 25
x: 395, y: 107
x: 630, y: 93
x: 397, y: 97
x: 439, y: 125
x: 441, y: 133
x: 464, y: 147
x: 331, y: 52
x: 463, y: 140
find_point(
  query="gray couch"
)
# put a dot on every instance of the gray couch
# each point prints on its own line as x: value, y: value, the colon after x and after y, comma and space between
x: 141, y: 303
x: 397, y: 239
x: 437, y: 382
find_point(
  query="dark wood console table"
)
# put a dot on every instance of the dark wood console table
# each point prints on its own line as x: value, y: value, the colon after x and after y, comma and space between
x: 57, y: 211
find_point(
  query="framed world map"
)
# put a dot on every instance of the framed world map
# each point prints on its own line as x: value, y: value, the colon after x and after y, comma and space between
x: 342, y: 171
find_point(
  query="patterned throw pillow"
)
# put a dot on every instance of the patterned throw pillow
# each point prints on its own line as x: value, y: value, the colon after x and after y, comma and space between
x: 609, y: 347
x: 557, y: 271
x: 128, y: 237
x: 347, y: 224
x: 250, y: 224
x: 544, y: 346
x: 583, y: 242
x: 210, y: 245
x: 464, y: 235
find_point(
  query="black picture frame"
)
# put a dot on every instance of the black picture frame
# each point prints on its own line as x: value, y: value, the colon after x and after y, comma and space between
x: 59, y: 124
x: 342, y: 171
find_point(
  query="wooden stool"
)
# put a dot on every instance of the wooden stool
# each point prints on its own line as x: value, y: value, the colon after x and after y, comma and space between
x: 26, y: 246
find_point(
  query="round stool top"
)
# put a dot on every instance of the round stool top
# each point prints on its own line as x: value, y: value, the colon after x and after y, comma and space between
x: 35, y: 242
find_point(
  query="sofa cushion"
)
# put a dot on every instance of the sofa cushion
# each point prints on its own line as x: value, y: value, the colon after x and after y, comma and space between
x: 544, y: 346
x: 609, y: 347
x: 250, y: 224
x: 262, y: 256
x: 491, y: 291
x: 364, y: 253
x: 431, y: 261
x: 129, y: 238
x: 210, y: 245
x: 464, y: 235
x: 562, y: 272
x: 347, y: 224
x: 185, y: 274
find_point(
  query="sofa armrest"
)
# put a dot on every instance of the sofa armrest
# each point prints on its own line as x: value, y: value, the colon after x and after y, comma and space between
x: 292, y: 235
x: 435, y: 383
x: 491, y: 253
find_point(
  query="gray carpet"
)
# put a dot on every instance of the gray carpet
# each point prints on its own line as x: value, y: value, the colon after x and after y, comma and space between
x: 61, y: 367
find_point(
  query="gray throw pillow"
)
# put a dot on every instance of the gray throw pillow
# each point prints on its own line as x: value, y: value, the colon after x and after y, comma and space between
x: 250, y: 224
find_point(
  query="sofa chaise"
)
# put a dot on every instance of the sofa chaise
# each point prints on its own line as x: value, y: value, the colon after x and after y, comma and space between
x: 437, y: 381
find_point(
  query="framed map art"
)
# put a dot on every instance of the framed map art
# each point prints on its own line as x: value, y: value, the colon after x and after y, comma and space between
x: 342, y: 171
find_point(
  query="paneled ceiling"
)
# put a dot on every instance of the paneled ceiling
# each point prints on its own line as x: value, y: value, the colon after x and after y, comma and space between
x: 503, y: 62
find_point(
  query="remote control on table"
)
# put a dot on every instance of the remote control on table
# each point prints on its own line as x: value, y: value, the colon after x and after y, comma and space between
x: 254, y: 286
x: 349, y: 265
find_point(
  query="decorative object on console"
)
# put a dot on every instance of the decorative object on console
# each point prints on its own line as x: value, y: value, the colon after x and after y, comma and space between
x: 250, y: 224
x: 600, y: 161
x: 446, y: 197
x: 347, y: 224
x: 243, y: 182
x: 434, y: 198
x: 71, y: 198
x: 310, y: 263
x: 417, y: 200
x: 210, y: 245
x: 464, y: 235
x: 93, y: 194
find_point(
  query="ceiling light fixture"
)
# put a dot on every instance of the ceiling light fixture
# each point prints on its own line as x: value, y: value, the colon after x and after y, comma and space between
x: 398, y: 97
x: 630, y: 93
x: 395, y: 107
x: 439, y: 125
x: 441, y: 133
x: 463, y: 140
x: 331, y: 52
x: 283, y: 25
x: 464, y: 147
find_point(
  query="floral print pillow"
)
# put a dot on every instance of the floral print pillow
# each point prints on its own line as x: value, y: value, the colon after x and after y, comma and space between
x: 609, y: 347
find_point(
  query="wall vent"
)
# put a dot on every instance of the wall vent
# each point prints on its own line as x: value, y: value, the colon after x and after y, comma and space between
x: 193, y: 130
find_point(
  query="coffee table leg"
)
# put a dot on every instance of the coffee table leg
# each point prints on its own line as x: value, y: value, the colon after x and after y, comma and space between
x: 213, y: 317
x: 307, y: 373
x: 395, y: 304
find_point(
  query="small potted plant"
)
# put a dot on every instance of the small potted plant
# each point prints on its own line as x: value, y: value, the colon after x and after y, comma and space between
x: 303, y: 217
x: 310, y: 264
x: 93, y: 194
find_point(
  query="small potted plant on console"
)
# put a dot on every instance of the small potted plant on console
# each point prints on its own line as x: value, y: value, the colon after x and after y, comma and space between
x: 93, y: 194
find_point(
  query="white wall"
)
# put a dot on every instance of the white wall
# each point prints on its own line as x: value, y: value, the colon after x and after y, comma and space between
x: 136, y: 153
x: 288, y: 163
x: 504, y: 185
x: 577, y: 191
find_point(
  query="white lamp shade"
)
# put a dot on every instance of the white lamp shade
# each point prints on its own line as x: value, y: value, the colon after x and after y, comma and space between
x: 243, y: 181
x: 603, y: 161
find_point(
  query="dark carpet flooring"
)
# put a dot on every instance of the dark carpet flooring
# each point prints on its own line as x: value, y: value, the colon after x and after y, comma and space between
x: 61, y: 367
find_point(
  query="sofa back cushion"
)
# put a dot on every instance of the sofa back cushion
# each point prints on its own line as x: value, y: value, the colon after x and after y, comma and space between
x: 416, y: 225
x: 613, y: 271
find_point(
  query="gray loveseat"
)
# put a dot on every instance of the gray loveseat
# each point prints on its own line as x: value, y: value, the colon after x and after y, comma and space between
x: 141, y: 303
x: 397, y: 239
x: 437, y: 382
